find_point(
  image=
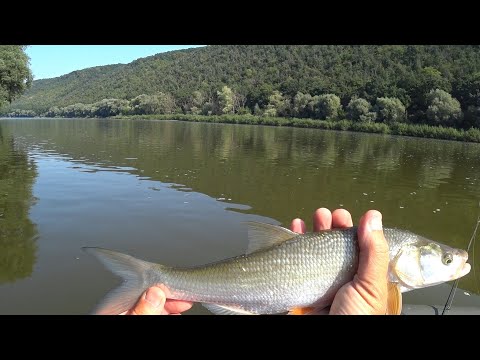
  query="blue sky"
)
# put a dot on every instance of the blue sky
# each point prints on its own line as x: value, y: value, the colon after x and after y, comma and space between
x: 47, y: 61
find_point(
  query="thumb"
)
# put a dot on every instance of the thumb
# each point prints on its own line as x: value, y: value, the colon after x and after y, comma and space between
x: 371, y: 279
x: 151, y: 302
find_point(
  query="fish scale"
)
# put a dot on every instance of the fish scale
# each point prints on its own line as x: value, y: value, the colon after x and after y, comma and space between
x: 285, y: 270
x: 305, y: 272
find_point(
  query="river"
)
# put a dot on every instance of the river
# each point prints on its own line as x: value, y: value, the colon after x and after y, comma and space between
x: 178, y: 193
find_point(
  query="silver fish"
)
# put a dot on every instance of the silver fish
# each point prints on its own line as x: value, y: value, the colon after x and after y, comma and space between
x: 281, y: 270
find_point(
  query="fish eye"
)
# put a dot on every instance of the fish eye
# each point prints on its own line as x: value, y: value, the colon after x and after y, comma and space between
x: 447, y: 258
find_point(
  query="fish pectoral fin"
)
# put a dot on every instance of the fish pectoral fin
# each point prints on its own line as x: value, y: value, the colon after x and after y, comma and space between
x: 263, y: 236
x: 226, y: 310
x: 394, y: 302
x: 301, y: 311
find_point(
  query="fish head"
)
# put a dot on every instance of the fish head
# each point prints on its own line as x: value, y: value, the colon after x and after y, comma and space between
x: 427, y: 263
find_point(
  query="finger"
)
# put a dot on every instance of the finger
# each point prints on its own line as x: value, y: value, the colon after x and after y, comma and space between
x: 322, y: 219
x: 298, y: 226
x: 151, y: 302
x: 371, y: 279
x: 177, y: 306
x: 341, y: 218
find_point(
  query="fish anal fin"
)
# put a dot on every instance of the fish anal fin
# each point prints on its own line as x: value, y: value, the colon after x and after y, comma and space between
x: 394, y: 302
x: 301, y: 311
x: 263, y: 236
x: 226, y: 310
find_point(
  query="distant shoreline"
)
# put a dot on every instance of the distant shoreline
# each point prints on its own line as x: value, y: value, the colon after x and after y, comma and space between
x: 402, y: 129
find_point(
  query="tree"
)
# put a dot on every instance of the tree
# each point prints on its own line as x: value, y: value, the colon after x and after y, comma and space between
x: 270, y: 111
x: 145, y: 104
x: 442, y: 108
x: 303, y: 105
x: 467, y: 90
x: 225, y: 101
x: 328, y: 106
x: 244, y: 111
x: 166, y: 103
x: 239, y: 101
x: 358, y: 109
x: 277, y: 105
x: 390, y: 110
x: 197, y: 102
x: 53, y: 112
x: 257, y: 111
x: 472, y: 117
x: 109, y: 107
x: 208, y: 108
x: 419, y: 84
x: 431, y: 78
x: 259, y: 94
x: 21, y: 113
x: 15, y: 74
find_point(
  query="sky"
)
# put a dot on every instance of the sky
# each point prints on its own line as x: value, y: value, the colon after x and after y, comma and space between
x: 47, y: 61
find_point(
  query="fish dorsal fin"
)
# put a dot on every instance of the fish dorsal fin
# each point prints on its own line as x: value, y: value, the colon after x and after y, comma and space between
x: 394, y: 302
x: 263, y: 236
x: 225, y: 310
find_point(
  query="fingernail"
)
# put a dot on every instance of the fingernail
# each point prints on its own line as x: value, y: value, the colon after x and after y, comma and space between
x: 375, y: 222
x: 152, y: 298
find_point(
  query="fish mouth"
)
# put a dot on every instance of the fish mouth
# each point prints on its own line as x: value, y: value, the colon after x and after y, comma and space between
x: 466, y: 266
x: 465, y: 270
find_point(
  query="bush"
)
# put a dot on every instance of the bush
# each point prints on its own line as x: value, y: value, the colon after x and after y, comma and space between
x: 442, y: 108
x: 390, y: 110
x: 328, y: 106
x: 357, y: 109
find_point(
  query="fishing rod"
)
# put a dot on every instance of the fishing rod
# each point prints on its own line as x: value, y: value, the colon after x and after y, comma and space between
x: 448, y: 304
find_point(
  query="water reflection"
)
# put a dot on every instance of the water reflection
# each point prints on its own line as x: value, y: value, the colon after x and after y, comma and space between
x: 17, y: 232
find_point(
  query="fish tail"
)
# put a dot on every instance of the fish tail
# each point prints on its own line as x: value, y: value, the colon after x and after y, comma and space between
x: 134, y: 273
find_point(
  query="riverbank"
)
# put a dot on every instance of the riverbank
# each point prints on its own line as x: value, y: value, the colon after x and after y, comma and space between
x: 417, y: 130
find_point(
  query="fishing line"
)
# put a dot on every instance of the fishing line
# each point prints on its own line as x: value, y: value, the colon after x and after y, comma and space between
x: 448, y: 304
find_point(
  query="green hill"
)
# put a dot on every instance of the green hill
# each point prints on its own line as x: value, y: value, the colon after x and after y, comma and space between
x: 255, y: 71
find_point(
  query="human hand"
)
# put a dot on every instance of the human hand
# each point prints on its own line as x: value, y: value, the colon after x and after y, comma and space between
x: 154, y: 302
x: 367, y: 293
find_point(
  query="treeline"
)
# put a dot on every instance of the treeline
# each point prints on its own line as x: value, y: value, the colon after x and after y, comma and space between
x: 440, y: 107
x: 255, y: 73
x: 416, y: 130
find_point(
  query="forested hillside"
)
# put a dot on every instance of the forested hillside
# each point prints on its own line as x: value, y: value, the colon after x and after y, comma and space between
x: 436, y: 84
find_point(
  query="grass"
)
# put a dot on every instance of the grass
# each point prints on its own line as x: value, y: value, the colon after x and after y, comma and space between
x: 417, y: 130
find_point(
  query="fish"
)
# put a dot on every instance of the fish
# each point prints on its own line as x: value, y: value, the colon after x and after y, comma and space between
x: 282, y: 272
